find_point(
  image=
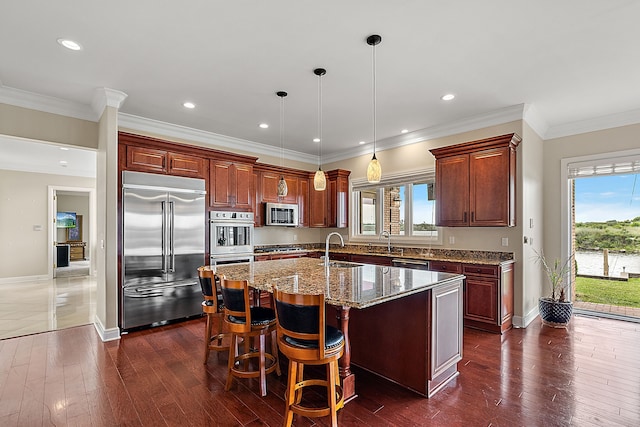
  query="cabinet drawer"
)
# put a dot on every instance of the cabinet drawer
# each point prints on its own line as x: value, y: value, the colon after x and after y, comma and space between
x: 480, y: 270
x: 445, y: 266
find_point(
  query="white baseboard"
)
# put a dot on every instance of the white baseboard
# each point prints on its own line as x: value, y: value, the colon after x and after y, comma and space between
x: 22, y: 279
x: 523, y: 322
x: 106, y: 334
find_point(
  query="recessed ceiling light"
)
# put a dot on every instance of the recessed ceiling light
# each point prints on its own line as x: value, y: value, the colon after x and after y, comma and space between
x: 316, y: 139
x: 64, y: 148
x: 69, y: 44
x: 362, y: 142
x: 264, y: 125
x: 189, y: 105
x: 448, y: 97
x: 404, y: 131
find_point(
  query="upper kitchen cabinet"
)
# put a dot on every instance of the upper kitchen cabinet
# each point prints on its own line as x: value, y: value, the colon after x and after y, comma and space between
x: 303, y: 202
x: 144, y: 159
x: 230, y: 185
x: 330, y: 208
x: 476, y: 183
x: 269, y: 188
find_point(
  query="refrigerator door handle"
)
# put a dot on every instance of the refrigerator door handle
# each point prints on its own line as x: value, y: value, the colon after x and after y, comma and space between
x: 164, y: 234
x: 172, y: 254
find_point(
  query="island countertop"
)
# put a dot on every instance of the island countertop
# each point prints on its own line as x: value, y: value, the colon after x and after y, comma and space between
x: 356, y: 285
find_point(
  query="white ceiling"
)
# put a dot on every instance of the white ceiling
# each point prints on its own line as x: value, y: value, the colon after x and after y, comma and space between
x: 571, y: 62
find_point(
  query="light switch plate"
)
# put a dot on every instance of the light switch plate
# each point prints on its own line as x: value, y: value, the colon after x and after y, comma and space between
x: 452, y: 240
x: 505, y: 241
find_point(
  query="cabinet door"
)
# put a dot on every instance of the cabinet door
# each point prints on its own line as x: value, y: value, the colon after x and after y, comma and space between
x: 256, y: 205
x: 489, y: 187
x: 317, y: 207
x: 243, y: 177
x: 146, y: 159
x: 184, y: 165
x: 452, y: 191
x: 481, y: 299
x: 303, y: 202
x: 292, y: 193
x: 338, y: 202
x: 219, y: 183
x: 269, y: 187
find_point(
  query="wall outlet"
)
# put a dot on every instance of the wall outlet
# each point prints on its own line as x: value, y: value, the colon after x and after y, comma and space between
x: 295, y: 237
x: 505, y: 241
x: 452, y: 240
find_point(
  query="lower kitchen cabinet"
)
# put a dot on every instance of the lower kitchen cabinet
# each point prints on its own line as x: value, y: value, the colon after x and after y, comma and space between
x: 372, y: 259
x: 487, y: 296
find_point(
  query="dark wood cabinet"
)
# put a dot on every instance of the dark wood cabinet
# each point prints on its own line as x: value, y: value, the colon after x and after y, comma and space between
x: 475, y: 183
x: 488, y: 293
x: 230, y: 185
x: 318, y: 206
x: 330, y: 208
x: 303, y: 202
x: 488, y: 296
x: 269, y: 188
x: 145, y: 159
x: 372, y: 259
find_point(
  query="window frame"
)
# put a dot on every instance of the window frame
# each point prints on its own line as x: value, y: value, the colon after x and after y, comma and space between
x: 406, y: 179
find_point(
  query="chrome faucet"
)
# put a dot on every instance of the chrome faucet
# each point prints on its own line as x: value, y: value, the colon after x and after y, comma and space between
x: 388, y: 236
x: 326, y: 246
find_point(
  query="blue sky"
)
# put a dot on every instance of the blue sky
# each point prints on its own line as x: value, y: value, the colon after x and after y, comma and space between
x: 607, y: 198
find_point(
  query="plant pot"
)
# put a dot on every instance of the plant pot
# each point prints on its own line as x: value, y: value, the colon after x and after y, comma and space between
x: 554, y: 313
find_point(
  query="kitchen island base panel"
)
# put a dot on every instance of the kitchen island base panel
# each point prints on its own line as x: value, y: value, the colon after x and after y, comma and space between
x: 400, y: 340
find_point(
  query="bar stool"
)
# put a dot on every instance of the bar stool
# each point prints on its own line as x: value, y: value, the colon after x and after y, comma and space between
x: 212, y: 307
x: 305, y: 338
x: 248, y: 322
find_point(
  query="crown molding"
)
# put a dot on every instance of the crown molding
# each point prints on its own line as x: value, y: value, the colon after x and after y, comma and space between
x: 104, y: 97
x: 47, y: 104
x: 479, y: 121
x: 626, y: 118
x: 215, y: 140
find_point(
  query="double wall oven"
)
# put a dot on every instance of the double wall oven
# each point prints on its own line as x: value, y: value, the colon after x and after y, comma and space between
x: 230, y: 237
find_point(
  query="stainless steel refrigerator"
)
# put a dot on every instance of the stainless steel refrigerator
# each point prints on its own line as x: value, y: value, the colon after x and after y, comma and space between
x: 163, y: 245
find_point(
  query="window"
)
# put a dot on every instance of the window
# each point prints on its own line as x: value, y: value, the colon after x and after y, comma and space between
x: 402, y: 205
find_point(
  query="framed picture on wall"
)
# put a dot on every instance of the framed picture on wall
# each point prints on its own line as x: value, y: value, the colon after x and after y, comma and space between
x: 75, y: 233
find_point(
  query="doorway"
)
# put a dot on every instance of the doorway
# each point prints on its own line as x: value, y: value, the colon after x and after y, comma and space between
x: 603, y: 234
x: 72, y: 239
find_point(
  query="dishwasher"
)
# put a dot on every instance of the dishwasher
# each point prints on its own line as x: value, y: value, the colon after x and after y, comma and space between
x: 415, y: 264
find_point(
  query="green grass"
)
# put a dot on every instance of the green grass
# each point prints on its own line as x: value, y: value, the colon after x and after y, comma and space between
x: 612, y: 292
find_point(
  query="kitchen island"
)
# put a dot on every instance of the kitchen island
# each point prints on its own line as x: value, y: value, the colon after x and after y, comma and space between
x: 407, y: 326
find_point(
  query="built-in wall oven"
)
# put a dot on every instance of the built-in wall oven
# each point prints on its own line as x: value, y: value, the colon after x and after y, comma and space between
x: 231, y: 237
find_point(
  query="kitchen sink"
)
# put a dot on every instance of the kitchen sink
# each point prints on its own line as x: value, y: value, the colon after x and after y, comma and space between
x: 343, y: 264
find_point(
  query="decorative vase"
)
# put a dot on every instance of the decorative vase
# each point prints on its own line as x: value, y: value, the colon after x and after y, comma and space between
x: 555, y: 313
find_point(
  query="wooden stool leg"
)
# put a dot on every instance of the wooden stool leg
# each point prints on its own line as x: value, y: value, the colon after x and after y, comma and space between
x: 232, y: 359
x: 299, y: 379
x: 331, y: 392
x: 263, y: 365
x: 274, y: 351
x: 289, y: 398
x: 207, y: 338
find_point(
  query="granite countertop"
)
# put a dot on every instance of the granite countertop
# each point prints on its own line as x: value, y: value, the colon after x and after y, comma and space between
x: 450, y: 255
x: 358, y: 286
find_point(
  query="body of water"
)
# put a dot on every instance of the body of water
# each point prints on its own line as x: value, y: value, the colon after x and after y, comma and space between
x: 592, y: 263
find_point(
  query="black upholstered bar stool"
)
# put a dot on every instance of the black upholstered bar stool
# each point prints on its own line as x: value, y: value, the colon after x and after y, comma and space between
x: 305, y: 338
x: 248, y: 322
x: 213, y: 308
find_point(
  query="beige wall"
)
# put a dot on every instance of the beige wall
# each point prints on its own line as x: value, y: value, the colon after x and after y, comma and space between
x: 41, y: 126
x: 23, y: 207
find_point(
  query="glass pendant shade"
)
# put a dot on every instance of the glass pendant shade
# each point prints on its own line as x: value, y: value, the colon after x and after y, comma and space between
x: 319, y: 180
x: 374, y: 171
x: 282, y: 187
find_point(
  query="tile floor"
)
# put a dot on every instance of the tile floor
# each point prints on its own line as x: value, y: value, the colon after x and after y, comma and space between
x: 46, y: 305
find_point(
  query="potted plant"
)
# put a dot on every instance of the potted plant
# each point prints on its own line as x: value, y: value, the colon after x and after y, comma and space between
x: 555, y: 311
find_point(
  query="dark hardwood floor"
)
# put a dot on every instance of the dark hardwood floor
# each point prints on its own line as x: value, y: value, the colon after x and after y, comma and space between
x: 588, y: 375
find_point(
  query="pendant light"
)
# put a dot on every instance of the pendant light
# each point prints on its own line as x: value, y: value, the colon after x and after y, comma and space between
x: 319, y: 179
x: 282, y: 184
x: 374, y: 171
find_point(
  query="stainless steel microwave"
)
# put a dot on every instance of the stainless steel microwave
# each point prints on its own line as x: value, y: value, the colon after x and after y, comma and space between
x: 281, y: 214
